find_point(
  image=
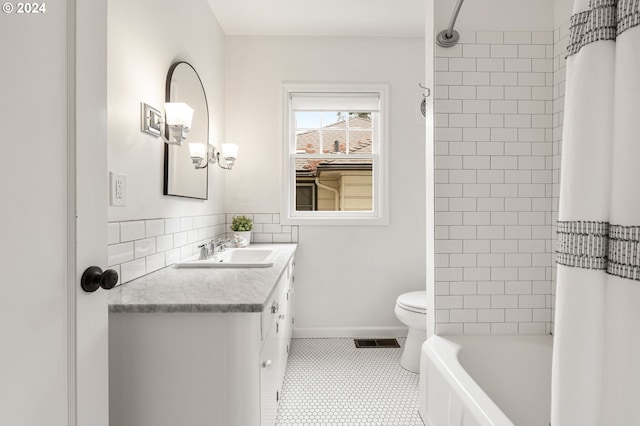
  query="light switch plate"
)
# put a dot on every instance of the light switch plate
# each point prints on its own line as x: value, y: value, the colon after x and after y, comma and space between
x: 117, y: 189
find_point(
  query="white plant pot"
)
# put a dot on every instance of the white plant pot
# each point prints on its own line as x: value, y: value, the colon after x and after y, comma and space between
x: 244, y: 238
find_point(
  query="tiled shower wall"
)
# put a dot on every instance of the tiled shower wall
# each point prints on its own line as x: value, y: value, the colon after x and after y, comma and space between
x: 139, y: 247
x: 494, y: 183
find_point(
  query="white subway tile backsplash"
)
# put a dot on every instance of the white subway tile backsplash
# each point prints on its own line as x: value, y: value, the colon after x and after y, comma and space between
x: 262, y: 218
x: 113, y: 233
x: 193, y: 236
x: 172, y: 256
x: 119, y: 253
x: 130, y: 231
x: 155, y: 262
x: 262, y: 238
x: 186, y: 224
x: 171, y: 226
x: 154, y: 228
x: 156, y: 243
x: 131, y: 270
x: 144, y: 247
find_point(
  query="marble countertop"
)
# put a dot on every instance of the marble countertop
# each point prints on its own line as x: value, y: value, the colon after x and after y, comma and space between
x: 203, y: 290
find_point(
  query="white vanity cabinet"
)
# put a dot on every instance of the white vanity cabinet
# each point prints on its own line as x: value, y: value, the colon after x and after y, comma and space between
x: 277, y: 327
x: 201, y: 368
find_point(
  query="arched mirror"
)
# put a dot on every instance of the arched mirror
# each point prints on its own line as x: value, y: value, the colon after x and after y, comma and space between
x: 181, y: 178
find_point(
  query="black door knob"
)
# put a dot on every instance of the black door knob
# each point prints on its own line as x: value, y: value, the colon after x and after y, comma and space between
x: 93, y: 278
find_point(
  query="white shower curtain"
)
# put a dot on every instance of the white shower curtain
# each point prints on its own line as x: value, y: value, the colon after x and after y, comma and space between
x: 596, y: 360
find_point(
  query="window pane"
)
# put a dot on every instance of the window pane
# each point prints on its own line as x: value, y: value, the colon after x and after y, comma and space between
x: 360, y: 141
x: 340, y: 185
x: 308, y: 142
x: 305, y: 197
x: 334, y: 141
x: 334, y: 119
x: 361, y: 120
x: 308, y: 120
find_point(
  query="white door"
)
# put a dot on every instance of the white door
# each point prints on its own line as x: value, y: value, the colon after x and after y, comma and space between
x: 53, y: 336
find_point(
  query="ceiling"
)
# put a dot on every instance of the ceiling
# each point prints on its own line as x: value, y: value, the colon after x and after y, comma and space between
x: 321, y: 17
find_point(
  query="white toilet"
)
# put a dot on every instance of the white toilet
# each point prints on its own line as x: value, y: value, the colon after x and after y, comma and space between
x: 411, y: 310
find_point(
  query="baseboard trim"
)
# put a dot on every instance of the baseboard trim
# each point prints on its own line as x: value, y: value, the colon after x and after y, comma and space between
x: 347, y: 332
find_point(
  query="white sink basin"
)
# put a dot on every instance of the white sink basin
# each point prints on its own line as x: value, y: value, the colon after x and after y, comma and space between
x: 232, y: 258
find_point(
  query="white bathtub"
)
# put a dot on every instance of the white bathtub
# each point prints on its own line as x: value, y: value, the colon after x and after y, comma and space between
x: 486, y: 380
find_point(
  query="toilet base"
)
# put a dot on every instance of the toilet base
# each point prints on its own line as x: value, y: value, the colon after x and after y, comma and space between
x: 410, y: 359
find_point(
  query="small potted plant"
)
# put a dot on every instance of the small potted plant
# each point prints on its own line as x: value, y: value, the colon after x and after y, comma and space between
x: 241, y: 227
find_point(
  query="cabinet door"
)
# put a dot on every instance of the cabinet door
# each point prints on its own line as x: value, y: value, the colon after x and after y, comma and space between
x: 269, y: 378
x: 282, y: 327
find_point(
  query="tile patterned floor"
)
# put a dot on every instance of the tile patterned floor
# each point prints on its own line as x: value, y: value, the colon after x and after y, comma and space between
x: 329, y: 382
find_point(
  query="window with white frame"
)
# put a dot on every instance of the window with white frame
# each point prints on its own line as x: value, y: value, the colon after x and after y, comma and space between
x: 336, y: 154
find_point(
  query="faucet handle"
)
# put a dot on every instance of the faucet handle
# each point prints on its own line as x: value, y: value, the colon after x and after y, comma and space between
x: 204, y: 251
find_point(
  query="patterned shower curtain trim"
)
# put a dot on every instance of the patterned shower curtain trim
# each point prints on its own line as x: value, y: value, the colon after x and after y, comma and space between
x: 599, y: 245
x: 589, y: 244
x: 604, y: 20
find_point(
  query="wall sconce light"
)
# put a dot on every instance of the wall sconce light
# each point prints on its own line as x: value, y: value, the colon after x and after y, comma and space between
x: 202, y: 154
x: 176, y: 125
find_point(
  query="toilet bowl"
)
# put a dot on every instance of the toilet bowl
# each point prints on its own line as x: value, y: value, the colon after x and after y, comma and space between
x: 411, y: 310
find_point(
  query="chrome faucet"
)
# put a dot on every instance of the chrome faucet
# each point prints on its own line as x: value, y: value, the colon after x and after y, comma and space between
x: 218, y: 246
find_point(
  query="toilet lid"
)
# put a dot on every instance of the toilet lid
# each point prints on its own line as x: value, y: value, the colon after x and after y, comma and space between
x: 415, y: 300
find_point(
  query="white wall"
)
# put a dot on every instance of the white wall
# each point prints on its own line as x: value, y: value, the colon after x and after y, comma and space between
x: 563, y: 11
x: 497, y: 15
x: 346, y: 277
x: 144, y: 38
